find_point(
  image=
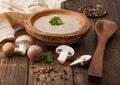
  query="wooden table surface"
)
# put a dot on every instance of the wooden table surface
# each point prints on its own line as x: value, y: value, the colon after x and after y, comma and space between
x: 18, y: 70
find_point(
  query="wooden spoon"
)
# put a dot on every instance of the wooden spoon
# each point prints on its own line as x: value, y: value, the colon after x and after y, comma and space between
x: 104, y: 29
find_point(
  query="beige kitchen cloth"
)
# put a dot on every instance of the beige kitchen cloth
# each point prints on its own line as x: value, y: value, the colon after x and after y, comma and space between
x: 6, y: 30
x: 30, y: 6
x: 17, y: 10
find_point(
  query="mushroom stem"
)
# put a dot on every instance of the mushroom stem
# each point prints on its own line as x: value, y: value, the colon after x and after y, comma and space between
x: 21, y: 49
x: 62, y: 56
x: 77, y: 61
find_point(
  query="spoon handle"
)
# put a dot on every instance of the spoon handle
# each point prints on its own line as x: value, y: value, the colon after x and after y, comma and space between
x: 95, y: 69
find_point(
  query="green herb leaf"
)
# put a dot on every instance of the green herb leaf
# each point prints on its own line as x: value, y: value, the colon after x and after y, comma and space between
x: 56, y: 21
x: 47, y: 58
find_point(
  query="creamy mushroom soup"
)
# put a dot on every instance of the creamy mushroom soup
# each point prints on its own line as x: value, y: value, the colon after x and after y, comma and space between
x: 70, y: 24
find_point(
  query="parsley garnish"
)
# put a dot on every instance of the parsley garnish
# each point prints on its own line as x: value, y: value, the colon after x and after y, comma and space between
x: 56, y: 21
x: 47, y: 58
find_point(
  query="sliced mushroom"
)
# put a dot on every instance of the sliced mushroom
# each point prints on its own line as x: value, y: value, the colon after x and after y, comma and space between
x: 8, y: 49
x: 35, y: 53
x: 23, y: 42
x: 82, y: 60
x: 65, y: 52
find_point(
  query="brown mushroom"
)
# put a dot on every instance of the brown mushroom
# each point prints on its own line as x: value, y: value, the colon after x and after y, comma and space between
x: 8, y: 49
x: 23, y: 42
x: 35, y: 53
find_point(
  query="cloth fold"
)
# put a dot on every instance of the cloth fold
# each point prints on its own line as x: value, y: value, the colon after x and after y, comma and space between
x: 28, y: 6
x: 6, y: 30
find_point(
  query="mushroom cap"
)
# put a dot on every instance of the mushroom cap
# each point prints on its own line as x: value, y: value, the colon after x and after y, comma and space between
x: 66, y: 48
x: 35, y: 53
x: 24, y: 39
x: 8, y: 49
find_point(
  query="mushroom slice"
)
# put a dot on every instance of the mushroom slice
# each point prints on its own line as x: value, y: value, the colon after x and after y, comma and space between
x: 23, y: 42
x: 65, y: 52
x: 82, y: 60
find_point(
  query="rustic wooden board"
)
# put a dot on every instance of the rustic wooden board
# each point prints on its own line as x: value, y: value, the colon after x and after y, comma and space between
x: 18, y: 70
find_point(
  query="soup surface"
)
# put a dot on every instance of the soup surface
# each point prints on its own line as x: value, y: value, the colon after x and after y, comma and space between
x: 70, y: 24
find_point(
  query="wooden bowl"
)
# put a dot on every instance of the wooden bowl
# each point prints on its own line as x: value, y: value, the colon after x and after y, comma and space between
x: 57, y: 39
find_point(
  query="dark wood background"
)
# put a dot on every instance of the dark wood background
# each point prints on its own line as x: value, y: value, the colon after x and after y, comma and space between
x: 18, y: 70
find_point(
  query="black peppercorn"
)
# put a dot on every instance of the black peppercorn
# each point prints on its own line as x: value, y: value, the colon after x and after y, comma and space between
x: 93, y: 12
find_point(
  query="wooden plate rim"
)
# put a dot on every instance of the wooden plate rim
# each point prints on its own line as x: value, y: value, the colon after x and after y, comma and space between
x: 85, y: 28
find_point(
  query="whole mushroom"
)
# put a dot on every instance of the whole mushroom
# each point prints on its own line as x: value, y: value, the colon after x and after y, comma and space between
x: 23, y: 42
x: 82, y: 60
x: 8, y: 49
x: 35, y: 53
x: 65, y: 52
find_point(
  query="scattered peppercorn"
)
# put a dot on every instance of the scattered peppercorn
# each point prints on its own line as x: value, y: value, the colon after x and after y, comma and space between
x: 66, y: 78
x: 45, y: 78
x: 33, y: 67
x: 94, y: 12
x: 61, y: 77
x: 37, y: 79
x: 52, y: 79
x: 64, y: 70
x: 34, y: 72
x: 65, y: 73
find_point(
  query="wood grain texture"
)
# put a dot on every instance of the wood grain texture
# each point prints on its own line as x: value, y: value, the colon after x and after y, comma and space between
x: 13, y: 71
x: 19, y: 71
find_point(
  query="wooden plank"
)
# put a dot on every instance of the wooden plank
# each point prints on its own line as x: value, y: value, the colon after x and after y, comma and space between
x: 13, y: 70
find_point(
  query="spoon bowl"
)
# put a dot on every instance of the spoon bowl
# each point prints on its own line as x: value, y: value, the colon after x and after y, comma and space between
x: 105, y: 27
